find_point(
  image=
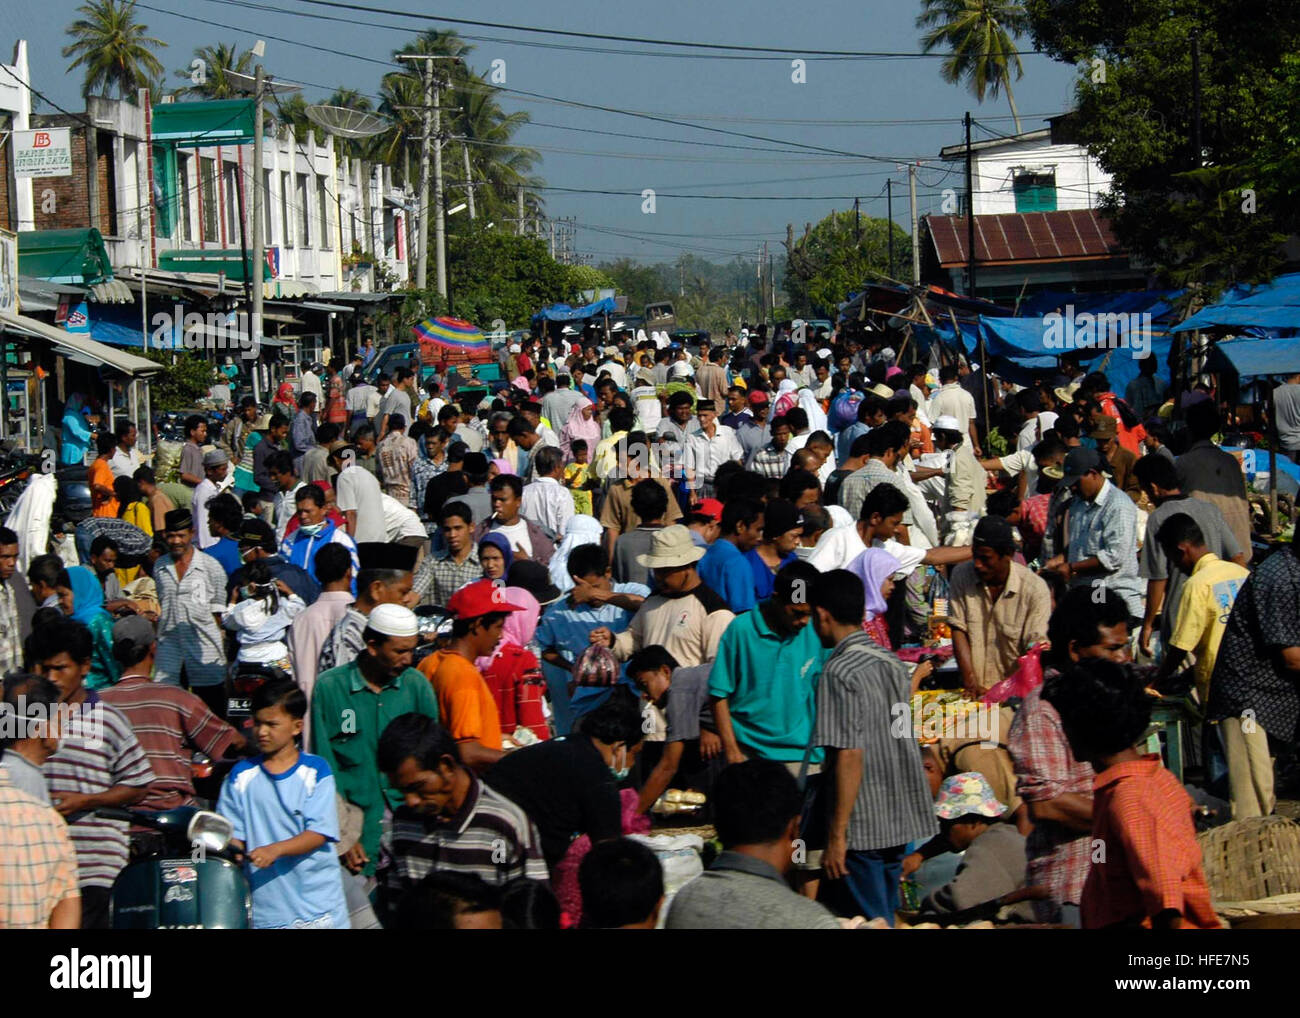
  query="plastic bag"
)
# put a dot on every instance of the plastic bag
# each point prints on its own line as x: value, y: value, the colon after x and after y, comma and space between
x: 595, y: 666
x: 1027, y: 677
x: 844, y: 410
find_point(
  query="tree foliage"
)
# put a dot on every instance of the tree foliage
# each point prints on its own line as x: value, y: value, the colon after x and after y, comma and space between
x: 980, y: 36
x: 186, y: 380
x: 111, y: 44
x: 705, y: 295
x: 835, y: 258
x: 495, y: 274
x: 1214, y: 217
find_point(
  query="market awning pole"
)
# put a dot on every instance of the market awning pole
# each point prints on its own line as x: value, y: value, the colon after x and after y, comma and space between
x: 1272, y: 458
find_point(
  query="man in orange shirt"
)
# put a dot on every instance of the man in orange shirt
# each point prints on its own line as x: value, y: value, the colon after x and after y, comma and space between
x: 1146, y: 864
x: 100, y: 477
x: 465, y: 703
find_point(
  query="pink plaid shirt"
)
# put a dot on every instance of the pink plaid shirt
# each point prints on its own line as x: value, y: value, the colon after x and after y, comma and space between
x: 1045, y: 768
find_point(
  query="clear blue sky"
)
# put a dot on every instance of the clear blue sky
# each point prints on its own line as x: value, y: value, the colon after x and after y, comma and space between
x: 737, y: 95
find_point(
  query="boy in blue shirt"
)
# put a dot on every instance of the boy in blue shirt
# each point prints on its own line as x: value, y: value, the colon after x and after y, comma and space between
x: 724, y: 568
x: 282, y: 804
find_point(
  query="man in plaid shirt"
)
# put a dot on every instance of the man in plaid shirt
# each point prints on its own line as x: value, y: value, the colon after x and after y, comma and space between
x: 1057, y: 787
x: 773, y: 459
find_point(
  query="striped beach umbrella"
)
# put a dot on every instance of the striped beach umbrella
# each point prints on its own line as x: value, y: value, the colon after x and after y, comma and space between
x: 451, y: 333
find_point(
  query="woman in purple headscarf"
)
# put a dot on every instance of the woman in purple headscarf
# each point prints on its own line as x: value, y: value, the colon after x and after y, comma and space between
x: 875, y: 567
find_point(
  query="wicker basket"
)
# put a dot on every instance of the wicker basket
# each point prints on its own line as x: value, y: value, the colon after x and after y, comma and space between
x: 1250, y: 860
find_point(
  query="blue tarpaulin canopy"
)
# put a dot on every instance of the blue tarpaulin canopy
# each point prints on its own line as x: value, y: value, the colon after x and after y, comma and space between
x: 564, y: 313
x: 1254, y: 358
x: 1157, y: 303
x: 1275, y: 305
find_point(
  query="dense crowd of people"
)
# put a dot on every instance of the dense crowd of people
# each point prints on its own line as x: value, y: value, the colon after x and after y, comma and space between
x: 501, y: 627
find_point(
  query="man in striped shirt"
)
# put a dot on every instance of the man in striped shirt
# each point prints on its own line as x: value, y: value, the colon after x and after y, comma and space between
x: 450, y: 821
x: 99, y: 764
x: 191, y: 595
x: 170, y: 723
x: 881, y: 797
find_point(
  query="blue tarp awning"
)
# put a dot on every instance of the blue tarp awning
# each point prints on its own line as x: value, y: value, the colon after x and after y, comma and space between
x: 1275, y: 305
x: 564, y: 313
x: 1157, y: 303
x: 1254, y: 358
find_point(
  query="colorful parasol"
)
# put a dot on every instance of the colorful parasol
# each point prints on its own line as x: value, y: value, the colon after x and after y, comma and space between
x: 452, y: 333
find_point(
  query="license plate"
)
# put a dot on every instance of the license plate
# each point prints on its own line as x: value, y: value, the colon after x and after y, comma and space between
x: 238, y: 706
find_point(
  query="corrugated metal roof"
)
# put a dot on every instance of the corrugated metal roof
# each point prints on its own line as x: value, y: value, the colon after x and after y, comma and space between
x: 1025, y: 237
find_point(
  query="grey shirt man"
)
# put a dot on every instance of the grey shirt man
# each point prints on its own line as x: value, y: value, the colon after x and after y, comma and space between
x: 26, y: 776
x: 1153, y: 563
x: 739, y: 892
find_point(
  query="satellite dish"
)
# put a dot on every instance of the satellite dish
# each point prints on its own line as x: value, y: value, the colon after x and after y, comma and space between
x: 248, y: 83
x: 347, y: 123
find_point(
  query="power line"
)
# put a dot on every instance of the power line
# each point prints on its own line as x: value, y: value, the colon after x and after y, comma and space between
x: 605, y: 37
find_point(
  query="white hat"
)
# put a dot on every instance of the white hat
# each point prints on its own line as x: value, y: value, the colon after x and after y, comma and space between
x: 682, y: 369
x: 946, y: 423
x: 393, y: 620
x: 670, y: 548
x: 515, y: 348
x: 825, y: 352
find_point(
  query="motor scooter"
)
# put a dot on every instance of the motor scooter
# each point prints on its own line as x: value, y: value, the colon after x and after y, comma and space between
x: 191, y: 882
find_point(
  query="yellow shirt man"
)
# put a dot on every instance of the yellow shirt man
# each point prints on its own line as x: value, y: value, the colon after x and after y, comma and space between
x: 1203, y: 611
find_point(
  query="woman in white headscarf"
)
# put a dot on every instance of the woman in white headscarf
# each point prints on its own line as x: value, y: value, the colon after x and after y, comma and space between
x: 581, y: 529
x: 816, y: 415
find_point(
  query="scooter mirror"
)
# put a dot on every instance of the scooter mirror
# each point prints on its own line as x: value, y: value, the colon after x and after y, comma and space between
x: 211, y: 830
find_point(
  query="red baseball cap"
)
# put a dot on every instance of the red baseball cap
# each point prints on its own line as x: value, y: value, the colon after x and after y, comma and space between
x: 758, y: 396
x: 483, y: 597
x: 709, y: 507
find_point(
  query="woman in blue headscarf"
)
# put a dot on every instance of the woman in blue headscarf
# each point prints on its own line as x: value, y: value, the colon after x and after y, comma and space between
x: 76, y: 431
x: 83, y: 599
x: 495, y: 555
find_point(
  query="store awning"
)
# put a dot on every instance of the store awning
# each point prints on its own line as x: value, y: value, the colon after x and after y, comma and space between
x: 81, y: 348
x: 112, y: 292
x: 212, y: 260
x: 278, y: 289
x: 209, y: 122
x: 64, y: 256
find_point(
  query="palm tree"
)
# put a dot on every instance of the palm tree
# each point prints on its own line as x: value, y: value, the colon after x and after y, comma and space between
x: 217, y: 61
x: 980, y: 35
x: 112, y: 46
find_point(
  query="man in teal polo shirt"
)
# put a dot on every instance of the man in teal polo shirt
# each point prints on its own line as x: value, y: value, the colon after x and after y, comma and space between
x: 764, y: 679
x: 353, y: 704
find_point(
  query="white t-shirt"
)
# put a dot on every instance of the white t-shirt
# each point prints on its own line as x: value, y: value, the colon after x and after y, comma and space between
x: 516, y: 534
x: 359, y: 491
x: 840, y: 546
x: 400, y: 521
x: 1030, y: 434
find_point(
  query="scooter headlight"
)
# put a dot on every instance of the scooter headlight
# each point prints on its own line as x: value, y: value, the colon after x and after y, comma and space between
x: 211, y: 830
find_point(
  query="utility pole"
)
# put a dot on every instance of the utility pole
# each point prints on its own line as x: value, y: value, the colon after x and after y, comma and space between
x: 431, y: 121
x: 519, y: 208
x: 259, y: 254
x: 970, y: 216
x: 469, y: 181
x: 440, y: 221
x: 551, y: 222
x: 916, y: 242
x: 1196, y: 99
x: 422, y: 255
x: 889, y: 225
x: 857, y: 221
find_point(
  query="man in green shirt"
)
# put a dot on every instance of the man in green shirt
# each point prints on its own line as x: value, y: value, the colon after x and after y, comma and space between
x: 764, y: 679
x: 351, y: 707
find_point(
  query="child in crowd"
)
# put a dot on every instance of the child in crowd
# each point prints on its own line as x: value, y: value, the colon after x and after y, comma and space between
x: 261, y: 617
x: 575, y: 476
x: 282, y: 804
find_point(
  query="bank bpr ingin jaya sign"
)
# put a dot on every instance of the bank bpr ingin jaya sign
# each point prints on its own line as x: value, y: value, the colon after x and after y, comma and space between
x: 44, y: 153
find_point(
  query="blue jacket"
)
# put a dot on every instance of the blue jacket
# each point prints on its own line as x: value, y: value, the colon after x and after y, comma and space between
x: 300, y: 549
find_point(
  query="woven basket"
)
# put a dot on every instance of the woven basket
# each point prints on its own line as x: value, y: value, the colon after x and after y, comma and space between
x: 1249, y: 860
